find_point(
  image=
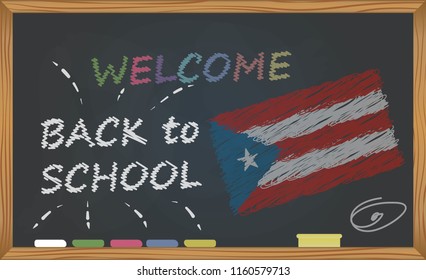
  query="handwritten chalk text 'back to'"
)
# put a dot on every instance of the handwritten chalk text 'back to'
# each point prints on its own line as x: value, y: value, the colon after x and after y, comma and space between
x: 53, y: 139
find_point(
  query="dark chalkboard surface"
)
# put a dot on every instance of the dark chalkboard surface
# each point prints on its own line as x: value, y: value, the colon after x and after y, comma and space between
x: 61, y: 74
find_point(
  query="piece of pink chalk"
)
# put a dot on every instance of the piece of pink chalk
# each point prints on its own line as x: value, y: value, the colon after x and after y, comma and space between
x: 126, y: 243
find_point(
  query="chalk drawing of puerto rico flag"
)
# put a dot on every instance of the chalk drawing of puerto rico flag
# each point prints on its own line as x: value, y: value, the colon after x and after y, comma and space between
x: 305, y: 142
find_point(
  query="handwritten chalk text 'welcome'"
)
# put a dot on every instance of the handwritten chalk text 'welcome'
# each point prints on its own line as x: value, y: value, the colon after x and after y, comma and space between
x: 194, y: 66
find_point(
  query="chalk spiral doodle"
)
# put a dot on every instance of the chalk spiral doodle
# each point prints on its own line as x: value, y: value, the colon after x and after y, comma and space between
x: 376, y: 217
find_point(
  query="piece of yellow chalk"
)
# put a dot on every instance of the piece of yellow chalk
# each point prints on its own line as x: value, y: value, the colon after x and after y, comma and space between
x: 319, y: 240
x: 200, y: 243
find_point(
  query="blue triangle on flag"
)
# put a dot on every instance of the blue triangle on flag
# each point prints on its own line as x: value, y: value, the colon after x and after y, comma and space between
x: 230, y: 146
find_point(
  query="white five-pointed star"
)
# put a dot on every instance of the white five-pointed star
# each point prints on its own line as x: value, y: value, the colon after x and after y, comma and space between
x: 248, y: 160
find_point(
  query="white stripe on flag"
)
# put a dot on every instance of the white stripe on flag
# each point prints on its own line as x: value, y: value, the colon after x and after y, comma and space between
x: 307, y: 122
x: 328, y: 158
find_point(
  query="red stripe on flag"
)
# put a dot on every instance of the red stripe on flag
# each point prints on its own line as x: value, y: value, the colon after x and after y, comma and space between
x: 333, y: 135
x: 314, y: 98
x: 321, y: 181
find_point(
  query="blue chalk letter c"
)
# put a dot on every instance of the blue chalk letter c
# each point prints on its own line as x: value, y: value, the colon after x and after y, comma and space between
x: 184, y: 79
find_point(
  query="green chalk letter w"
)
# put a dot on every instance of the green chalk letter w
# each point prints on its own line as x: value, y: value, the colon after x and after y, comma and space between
x: 110, y: 70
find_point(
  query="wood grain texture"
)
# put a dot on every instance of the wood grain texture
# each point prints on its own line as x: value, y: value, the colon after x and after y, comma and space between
x: 378, y: 6
x: 420, y: 130
x: 6, y: 128
x: 6, y: 131
x: 214, y: 253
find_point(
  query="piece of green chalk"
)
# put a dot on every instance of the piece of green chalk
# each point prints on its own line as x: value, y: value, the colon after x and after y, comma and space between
x: 88, y: 243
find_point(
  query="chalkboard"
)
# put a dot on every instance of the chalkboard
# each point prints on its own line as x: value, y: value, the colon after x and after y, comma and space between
x: 212, y: 125
x: 243, y: 129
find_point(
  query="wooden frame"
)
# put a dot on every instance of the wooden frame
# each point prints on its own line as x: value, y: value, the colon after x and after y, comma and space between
x: 8, y: 8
